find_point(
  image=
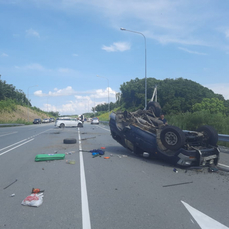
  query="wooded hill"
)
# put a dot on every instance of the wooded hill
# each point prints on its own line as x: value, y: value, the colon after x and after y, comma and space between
x: 174, y: 95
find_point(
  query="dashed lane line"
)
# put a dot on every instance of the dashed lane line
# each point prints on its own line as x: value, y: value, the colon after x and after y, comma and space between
x: 17, y: 146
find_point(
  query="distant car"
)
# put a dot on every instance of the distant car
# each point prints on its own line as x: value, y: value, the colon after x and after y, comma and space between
x: 37, y: 121
x: 46, y: 120
x: 95, y: 121
x: 52, y: 120
x: 68, y: 122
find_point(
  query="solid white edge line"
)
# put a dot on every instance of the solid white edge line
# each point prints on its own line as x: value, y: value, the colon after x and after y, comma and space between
x: 223, y: 165
x: 16, y: 146
x: 86, y: 221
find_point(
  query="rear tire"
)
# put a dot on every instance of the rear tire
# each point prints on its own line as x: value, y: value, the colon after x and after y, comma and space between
x: 210, y: 134
x: 155, y: 107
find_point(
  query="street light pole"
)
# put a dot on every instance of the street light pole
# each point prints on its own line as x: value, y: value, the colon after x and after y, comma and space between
x: 108, y: 92
x: 145, y: 62
x: 28, y: 100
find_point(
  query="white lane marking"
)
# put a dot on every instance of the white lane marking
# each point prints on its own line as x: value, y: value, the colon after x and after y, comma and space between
x: 86, y: 221
x: 204, y: 221
x: 32, y: 137
x: 8, y: 134
x: 16, y: 146
x: 104, y: 128
x: 223, y: 165
x: 13, y: 144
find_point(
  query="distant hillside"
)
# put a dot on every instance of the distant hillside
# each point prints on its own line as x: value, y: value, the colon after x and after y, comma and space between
x: 21, y: 113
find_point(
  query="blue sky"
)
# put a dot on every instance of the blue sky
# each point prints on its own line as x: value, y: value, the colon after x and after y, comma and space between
x: 53, y: 50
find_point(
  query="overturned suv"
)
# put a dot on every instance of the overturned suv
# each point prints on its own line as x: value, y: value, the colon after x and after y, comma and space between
x: 143, y: 133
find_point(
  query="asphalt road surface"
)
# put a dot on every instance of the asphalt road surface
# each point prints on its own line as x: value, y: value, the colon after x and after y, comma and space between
x: 123, y: 192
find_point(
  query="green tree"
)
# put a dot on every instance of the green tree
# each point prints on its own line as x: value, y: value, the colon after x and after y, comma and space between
x: 213, y: 105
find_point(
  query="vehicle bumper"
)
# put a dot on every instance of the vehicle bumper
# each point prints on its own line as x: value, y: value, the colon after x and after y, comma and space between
x: 199, y: 157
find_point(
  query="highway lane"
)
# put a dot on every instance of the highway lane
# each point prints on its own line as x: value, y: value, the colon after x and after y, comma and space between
x: 125, y: 191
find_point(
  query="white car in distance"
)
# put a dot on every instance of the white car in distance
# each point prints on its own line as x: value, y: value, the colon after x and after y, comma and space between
x: 68, y: 122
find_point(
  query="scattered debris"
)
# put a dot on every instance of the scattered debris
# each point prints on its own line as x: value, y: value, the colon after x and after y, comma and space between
x: 33, y: 200
x: 169, y: 185
x: 175, y: 170
x: 124, y: 156
x: 87, y: 138
x: 10, y: 184
x: 94, y: 154
x: 12, y: 195
x: 99, y: 151
x: 37, y: 190
x: 49, y: 157
x: 213, y: 169
x: 106, y: 157
x: 102, y: 147
x: 72, y: 162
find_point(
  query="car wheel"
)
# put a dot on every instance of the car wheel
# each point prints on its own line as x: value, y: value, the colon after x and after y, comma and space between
x: 210, y: 134
x: 172, y: 137
x: 69, y: 141
x: 62, y: 125
x: 155, y: 107
x: 80, y: 125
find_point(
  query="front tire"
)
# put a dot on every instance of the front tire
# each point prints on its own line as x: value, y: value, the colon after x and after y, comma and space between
x: 62, y: 125
x: 172, y: 137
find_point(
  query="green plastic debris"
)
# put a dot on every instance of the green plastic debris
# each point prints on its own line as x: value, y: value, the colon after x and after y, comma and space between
x: 49, y: 157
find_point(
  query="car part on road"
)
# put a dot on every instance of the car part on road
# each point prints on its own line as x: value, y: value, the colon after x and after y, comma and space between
x: 10, y: 184
x: 169, y: 185
x: 69, y: 141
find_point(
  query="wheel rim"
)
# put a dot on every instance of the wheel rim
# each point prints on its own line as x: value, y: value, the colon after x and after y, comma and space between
x: 171, y: 138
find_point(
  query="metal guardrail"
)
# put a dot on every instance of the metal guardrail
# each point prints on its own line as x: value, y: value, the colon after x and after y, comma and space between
x: 11, y: 124
x: 223, y: 137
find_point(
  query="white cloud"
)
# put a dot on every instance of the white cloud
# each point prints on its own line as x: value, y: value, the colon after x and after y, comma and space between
x: 74, y: 54
x: 33, y: 66
x: 220, y: 88
x: 4, y: 55
x: 32, y: 32
x: 227, y: 33
x: 83, y: 101
x: 192, y: 52
x: 117, y: 47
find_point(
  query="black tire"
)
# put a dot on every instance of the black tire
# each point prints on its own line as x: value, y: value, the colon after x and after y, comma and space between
x: 155, y: 107
x: 62, y: 125
x: 80, y: 125
x: 210, y: 134
x: 69, y: 141
x: 172, y: 137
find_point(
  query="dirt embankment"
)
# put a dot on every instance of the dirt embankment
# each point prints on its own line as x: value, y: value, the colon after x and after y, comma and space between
x: 22, y: 113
